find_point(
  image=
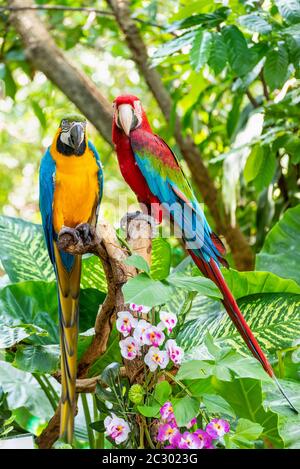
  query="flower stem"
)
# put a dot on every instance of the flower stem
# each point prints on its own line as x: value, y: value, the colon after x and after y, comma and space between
x: 88, y: 421
x: 147, y: 434
x: 167, y: 373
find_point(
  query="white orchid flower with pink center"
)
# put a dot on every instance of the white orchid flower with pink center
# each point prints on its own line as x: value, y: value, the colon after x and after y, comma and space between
x: 117, y: 428
x: 125, y: 323
x: 138, y: 332
x: 139, y: 308
x: 175, y: 353
x: 153, y: 336
x: 156, y: 358
x: 129, y: 348
x: 168, y: 321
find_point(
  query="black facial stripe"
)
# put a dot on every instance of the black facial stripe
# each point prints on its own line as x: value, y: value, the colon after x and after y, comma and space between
x: 61, y: 147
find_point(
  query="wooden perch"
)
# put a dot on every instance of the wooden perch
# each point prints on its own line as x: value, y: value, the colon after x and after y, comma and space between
x: 106, y: 246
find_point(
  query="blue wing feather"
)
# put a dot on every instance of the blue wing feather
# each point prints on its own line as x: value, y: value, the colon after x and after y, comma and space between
x: 47, y: 185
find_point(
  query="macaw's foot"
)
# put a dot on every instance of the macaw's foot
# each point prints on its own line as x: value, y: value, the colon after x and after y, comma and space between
x: 66, y: 233
x: 86, y: 232
x: 129, y: 216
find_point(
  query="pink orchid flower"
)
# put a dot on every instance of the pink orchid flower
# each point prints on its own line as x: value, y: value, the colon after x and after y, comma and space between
x: 129, y: 348
x: 116, y: 428
x: 125, y: 323
x: 156, y: 358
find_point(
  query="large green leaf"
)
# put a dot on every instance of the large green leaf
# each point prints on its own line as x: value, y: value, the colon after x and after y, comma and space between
x: 201, y: 49
x: 37, y: 359
x: 245, y: 397
x: 260, y: 166
x: 23, y: 390
x: 273, y: 318
x: 33, y: 307
x: 144, y: 290
x: 24, y: 255
x: 280, y: 253
x: 218, y: 53
x: 257, y: 294
x: 237, y: 50
x: 185, y: 410
x: 255, y: 23
x: 276, y: 66
x: 23, y: 252
x: 289, y: 10
x: 161, y: 259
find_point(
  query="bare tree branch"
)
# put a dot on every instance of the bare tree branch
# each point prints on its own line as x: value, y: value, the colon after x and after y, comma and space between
x: 241, y: 250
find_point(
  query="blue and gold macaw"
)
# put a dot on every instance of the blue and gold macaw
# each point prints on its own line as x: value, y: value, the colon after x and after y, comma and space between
x: 71, y: 184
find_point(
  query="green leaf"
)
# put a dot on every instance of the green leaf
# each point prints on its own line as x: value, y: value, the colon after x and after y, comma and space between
x: 218, y: 53
x: 174, y: 45
x: 162, y: 392
x: 185, y: 410
x: 246, y: 433
x: 24, y: 391
x: 243, y: 284
x: 33, y: 306
x: 289, y: 10
x: 254, y: 22
x: 149, y: 411
x: 224, y: 367
x: 217, y: 405
x: 245, y: 397
x: 37, y: 359
x: 23, y: 252
x: 237, y: 50
x: 276, y: 67
x: 203, y: 19
x: 198, y: 284
x: 92, y: 274
x: 144, y: 290
x: 139, y: 262
x: 201, y: 49
x: 272, y: 317
x: 11, y: 335
x: 260, y: 166
x: 280, y: 253
x: 161, y: 259
x: 24, y: 256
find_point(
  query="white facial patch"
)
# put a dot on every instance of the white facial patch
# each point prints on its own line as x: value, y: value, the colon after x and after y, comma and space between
x: 138, y: 111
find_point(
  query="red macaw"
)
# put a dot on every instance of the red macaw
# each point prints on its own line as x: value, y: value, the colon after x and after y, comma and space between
x: 152, y: 171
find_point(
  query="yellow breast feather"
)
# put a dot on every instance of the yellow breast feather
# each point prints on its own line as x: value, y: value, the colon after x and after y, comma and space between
x: 76, y: 188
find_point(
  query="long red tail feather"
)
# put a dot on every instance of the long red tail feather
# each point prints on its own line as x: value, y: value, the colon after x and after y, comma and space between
x: 213, y: 272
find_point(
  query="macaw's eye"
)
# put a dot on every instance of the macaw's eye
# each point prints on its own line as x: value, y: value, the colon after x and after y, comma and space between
x: 65, y: 124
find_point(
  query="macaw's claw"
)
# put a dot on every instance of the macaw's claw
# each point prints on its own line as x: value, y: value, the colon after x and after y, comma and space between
x: 85, y: 232
x: 138, y: 215
x: 72, y: 232
x: 128, y: 217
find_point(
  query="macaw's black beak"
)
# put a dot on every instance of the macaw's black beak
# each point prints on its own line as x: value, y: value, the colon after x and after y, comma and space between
x: 76, y: 136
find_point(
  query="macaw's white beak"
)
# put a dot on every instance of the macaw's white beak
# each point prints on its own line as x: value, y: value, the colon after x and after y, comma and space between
x: 125, y: 117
